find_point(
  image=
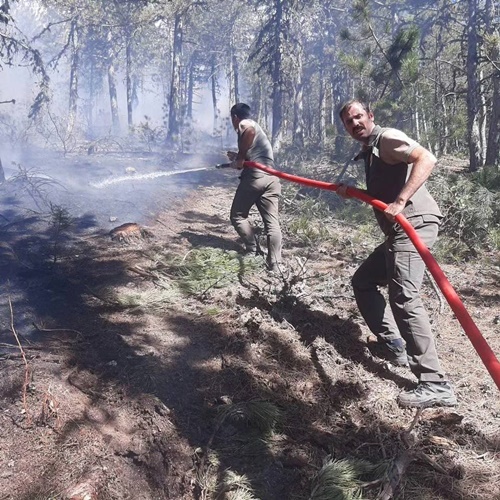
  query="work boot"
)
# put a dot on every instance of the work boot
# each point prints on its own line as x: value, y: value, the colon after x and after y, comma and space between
x: 249, y: 250
x: 393, y: 351
x: 428, y: 394
x: 253, y: 250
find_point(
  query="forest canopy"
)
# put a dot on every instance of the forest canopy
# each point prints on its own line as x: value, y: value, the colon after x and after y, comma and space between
x: 111, y: 67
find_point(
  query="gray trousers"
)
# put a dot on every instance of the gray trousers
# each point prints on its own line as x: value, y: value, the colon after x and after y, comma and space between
x: 264, y: 193
x: 397, y: 265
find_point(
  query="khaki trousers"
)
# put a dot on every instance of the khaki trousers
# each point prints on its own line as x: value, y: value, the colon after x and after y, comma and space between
x: 397, y: 265
x: 264, y: 193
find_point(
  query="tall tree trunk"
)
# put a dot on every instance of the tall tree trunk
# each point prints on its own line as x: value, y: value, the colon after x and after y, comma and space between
x: 215, y: 107
x: 236, y: 77
x: 128, y: 77
x: 113, y: 96
x: 91, y: 101
x: 322, y: 108
x: 473, y: 128
x: 493, y: 143
x: 73, y: 77
x: 416, y: 118
x: 2, y: 173
x: 174, y: 111
x: 258, y: 100
x: 483, y: 112
x: 190, y: 89
x: 298, y: 102
x: 265, y: 111
x: 444, y: 140
x: 277, y: 93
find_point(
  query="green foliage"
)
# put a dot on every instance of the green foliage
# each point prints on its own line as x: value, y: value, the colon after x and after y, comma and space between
x: 60, y: 221
x: 236, y: 486
x: 360, y: 10
x: 494, y: 238
x: 203, y: 269
x: 353, y: 63
x: 450, y: 250
x: 34, y: 183
x: 470, y: 212
x: 149, y: 135
x: 14, y: 47
x: 400, y: 53
x: 308, y: 231
x: 4, y: 13
x: 254, y: 422
x: 345, y: 35
x: 402, y: 46
x: 164, y: 293
x: 492, y: 45
x: 344, y: 479
x: 358, y: 214
x: 410, y: 68
x: 259, y: 415
x: 309, y: 222
x: 488, y: 177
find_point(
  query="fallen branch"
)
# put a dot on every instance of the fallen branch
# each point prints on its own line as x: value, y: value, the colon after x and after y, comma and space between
x: 401, y: 463
x: 13, y: 346
x: 141, y: 272
x: 436, y: 290
x: 26, y: 366
x: 56, y: 330
x: 395, y: 474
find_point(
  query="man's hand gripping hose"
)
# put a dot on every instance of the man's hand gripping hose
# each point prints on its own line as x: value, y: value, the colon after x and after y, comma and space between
x: 472, y: 331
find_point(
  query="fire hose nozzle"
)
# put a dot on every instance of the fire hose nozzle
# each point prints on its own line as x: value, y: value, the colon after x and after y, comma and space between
x: 223, y: 165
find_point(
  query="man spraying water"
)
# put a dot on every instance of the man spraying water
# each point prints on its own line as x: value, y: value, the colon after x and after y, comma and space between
x: 256, y: 187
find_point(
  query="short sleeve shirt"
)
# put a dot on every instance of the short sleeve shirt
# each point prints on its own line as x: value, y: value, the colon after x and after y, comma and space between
x: 396, y: 147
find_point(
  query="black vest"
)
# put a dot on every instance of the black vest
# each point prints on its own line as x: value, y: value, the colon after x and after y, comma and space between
x: 384, y: 182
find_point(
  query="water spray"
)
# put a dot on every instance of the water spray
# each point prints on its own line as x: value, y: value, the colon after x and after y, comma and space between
x: 152, y: 175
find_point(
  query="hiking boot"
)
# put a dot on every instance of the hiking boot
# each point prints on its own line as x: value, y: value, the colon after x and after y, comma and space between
x: 428, y: 394
x: 250, y: 251
x: 393, y: 351
x: 273, y: 267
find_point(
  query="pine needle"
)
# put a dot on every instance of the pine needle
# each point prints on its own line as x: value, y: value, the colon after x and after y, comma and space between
x: 261, y: 415
x: 344, y: 479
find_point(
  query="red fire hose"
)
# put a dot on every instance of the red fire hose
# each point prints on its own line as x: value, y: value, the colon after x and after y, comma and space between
x: 483, y: 349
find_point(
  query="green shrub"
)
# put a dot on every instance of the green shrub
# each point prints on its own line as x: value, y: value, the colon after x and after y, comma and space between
x: 488, y: 177
x: 470, y: 212
x: 203, y: 269
x: 494, y: 238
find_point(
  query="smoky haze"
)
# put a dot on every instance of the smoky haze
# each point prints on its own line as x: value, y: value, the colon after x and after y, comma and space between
x: 76, y: 166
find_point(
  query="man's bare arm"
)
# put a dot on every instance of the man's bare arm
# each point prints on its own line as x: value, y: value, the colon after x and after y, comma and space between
x: 423, y: 163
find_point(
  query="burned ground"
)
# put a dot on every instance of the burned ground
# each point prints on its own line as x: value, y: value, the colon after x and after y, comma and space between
x: 129, y: 379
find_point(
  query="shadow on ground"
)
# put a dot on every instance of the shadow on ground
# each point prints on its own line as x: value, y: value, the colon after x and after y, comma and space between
x: 167, y: 374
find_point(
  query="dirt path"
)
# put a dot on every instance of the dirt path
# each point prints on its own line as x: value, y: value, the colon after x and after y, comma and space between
x: 126, y: 378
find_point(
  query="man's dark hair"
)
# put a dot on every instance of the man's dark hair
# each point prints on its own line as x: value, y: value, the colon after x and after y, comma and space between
x: 348, y: 104
x: 241, y: 110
